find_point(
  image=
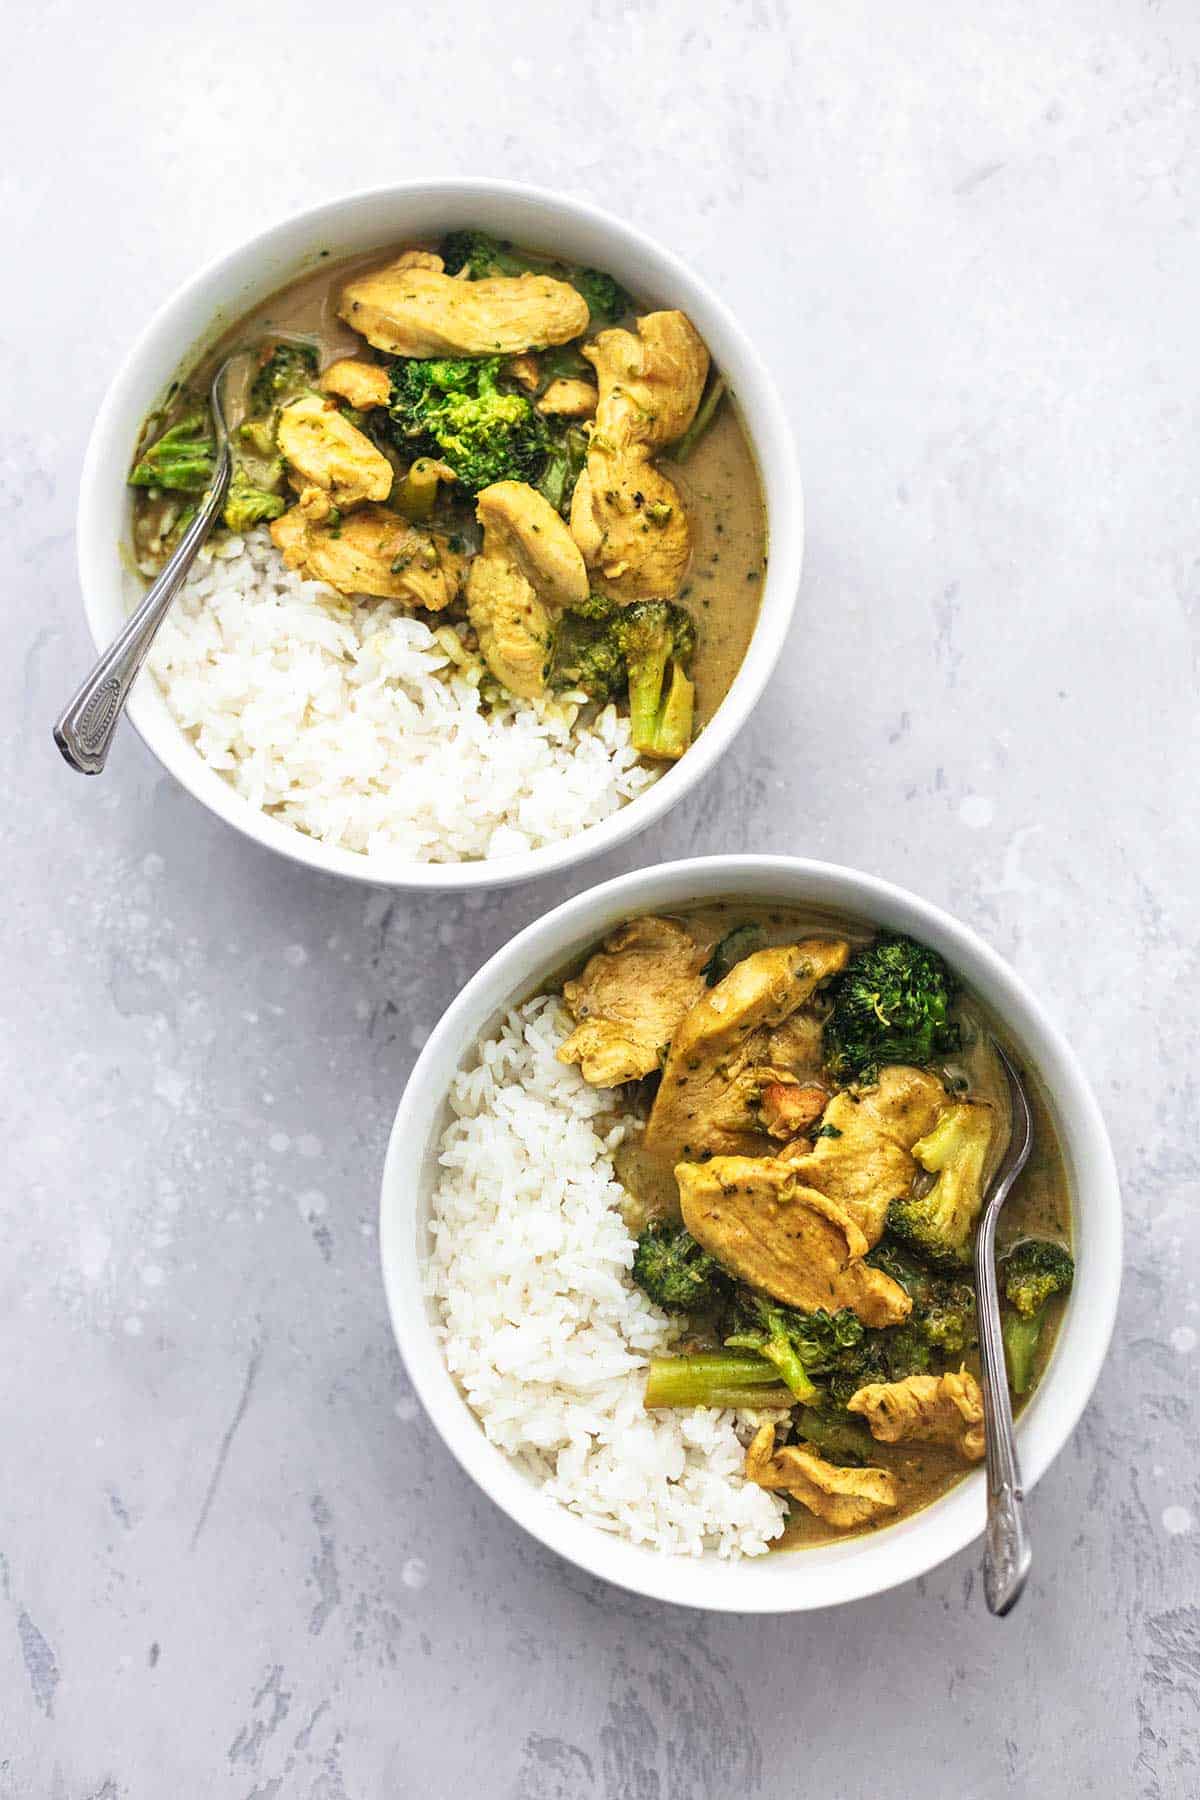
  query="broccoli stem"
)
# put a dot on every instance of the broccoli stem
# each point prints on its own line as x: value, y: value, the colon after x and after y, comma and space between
x: 659, y: 727
x: 1021, y: 1339
x: 717, y: 1378
x: 781, y: 1354
x: 705, y: 413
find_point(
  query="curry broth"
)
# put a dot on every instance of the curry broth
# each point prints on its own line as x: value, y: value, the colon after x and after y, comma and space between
x: 719, y: 483
x: 1040, y: 1203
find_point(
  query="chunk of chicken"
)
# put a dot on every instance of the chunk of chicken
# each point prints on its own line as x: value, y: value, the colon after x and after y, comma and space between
x: 761, y: 1222
x: 631, y: 525
x: 525, y: 371
x: 629, y: 999
x: 789, y: 1108
x: 649, y: 384
x: 363, y: 384
x: 568, y: 399
x: 411, y: 311
x: 933, y: 1409
x: 869, y: 1163
x: 528, y: 569
x: 323, y: 449
x: 420, y: 259
x: 626, y: 516
x: 844, y: 1498
x: 372, y: 551
x: 710, y: 1094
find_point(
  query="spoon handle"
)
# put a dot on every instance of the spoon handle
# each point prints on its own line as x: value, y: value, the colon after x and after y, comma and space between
x: 1007, y: 1553
x: 84, y: 729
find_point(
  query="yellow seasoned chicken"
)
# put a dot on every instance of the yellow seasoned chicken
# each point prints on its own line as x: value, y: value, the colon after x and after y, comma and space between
x: 568, y: 399
x: 764, y: 1225
x: 842, y: 1497
x: 323, y: 449
x: 869, y: 1162
x: 363, y: 384
x: 372, y: 551
x: 528, y: 569
x: 415, y: 311
x: 629, y: 999
x: 712, y: 1084
x: 626, y: 516
x: 932, y: 1409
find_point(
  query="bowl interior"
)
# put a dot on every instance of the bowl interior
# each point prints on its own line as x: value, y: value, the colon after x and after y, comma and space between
x: 216, y: 297
x: 827, y: 1574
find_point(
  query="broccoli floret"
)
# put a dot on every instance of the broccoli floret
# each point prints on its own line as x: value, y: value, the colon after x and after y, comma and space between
x: 670, y: 1266
x: 565, y: 458
x: 607, y: 300
x: 799, y: 1345
x: 482, y: 255
x: 887, y: 1353
x: 1031, y: 1274
x: 733, y: 948
x: 603, y: 648
x: 183, y: 459
x: 938, y: 1223
x: 840, y: 1437
x: 891, y: 1004
x: 247, y: 505
x: 657, y: 639
x: 285, y: 372
x: 706, y: 412
x: 587, y: 655
x: 772, y: 1331
x: 563, y: 362
x: 453, y: 408
x: 943, y: 1312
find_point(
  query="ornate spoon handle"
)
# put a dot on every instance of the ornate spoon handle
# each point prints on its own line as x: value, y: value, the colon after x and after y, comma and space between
x: 1007, y: 1552
x: 84, y: 729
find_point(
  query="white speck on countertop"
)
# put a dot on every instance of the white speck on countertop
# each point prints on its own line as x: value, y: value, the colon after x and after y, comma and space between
x: 976, y: 811
x: 415, y: 1573
x: 279, y: 1142
x: 1183, y: 1339
x: 295, y: 956
x: 1177, y: 1520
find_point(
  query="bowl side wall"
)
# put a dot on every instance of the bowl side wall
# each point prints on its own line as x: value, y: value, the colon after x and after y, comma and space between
x: 828, y: 1574
x: 204, y: 308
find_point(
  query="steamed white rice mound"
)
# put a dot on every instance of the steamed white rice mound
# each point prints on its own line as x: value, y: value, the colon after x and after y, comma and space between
x: 358, y: 724
x: 542, y: 1325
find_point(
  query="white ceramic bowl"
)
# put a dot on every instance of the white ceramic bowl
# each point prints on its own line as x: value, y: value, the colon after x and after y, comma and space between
x: 203, y: 309
x: 830, y: 1573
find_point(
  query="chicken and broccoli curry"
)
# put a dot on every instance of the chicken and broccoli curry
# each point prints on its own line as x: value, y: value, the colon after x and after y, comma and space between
x: 819, y: 1112
x: 502, y: 443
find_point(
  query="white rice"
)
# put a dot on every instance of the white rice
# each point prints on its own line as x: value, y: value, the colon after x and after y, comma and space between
x: 542, y: 1325
x: 355, y: 723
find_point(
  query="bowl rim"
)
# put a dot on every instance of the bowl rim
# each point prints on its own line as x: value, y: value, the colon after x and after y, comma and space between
x: 859, y: 1566
x: 768, y: 427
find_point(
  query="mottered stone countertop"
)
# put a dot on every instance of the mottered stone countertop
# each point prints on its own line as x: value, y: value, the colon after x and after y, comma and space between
x: 234, y: 1558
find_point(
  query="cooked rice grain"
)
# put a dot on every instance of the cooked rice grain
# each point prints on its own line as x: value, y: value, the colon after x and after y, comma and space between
x: 349, y: 720
x: 541, y: 1324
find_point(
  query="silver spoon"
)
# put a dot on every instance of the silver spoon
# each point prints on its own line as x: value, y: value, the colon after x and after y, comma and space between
x: 85, y: 728
x: 1007, y: 1553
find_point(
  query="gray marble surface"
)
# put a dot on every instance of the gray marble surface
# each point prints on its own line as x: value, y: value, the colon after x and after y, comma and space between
x: 234, y: 1559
